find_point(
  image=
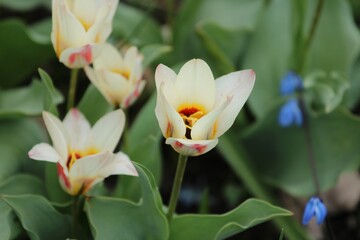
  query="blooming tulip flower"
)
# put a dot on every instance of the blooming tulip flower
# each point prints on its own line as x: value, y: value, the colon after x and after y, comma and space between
x: 79, y: 27
x: 193, y: 110
x: 118, y: 78
x: 83, y: 154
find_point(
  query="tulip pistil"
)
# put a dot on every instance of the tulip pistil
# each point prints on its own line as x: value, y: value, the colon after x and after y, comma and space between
x: 190, y: 115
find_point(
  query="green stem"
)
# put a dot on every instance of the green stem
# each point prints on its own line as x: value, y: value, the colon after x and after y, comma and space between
x: 176, y: 185
x: 311, y: 35
x: 72, y: 88
x: 309, y: 145
x: 77, y: 204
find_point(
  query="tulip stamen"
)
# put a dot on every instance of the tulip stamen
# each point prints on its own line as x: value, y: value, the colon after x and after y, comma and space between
x: 190, y: 115
x: 76, y: 155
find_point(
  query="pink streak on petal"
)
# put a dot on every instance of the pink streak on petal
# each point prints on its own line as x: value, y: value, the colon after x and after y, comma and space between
x: 199, y: 148
x: 179, y: 144
x: 85, y: 53
x: 62, y: 176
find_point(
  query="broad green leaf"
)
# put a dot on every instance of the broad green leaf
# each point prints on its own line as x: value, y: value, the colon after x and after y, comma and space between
x: 283, y: 159
x: 239, y: 160
x: 93, y: 105
x: 112, y: 218
x: 15, y: 185
x: 269, y: 53
x: 225, y: 46
x: 247, y: 215
x: 153, y: 52
x: 21, y: 53
x: 9, y: 227
x: 38, y: 217
x: 144, y: 139
x: 24, y: 101
x: 52, y: 97
x: 135, y: 26
x: 345, y: 44
x: 20, y: 5
x: 143, y: 146
x: 18, y: 136
x: 22, y: 184
x: 352, y: 96
x: 30, y: 100
x: 40, y: 31
x: 231, y: 14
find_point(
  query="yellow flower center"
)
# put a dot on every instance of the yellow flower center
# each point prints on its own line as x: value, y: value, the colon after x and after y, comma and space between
x: 75, y: 155
x: 190, y: 114
x: 123, y: 72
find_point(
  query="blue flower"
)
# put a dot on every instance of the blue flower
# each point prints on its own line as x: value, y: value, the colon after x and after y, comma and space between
x: 290, y: 113
x: 290, y: 83
x: 314, y: 208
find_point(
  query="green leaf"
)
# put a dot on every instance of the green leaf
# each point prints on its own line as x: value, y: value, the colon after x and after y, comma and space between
x: 247, y: 215
x: 20, y: 52
x: 14, y: 153
x: 235, y: 14
x: 144, y: 220
x: 135, y: 26
x: 336, y: 17
x: 283, y: 159
x: 352, y: 96
x: 20, y: 5
x: 31, y: 100
x: 242, y: 164
x: 324, y: 92
x: 22, y: 184
x: 144, y: 137
x: 52, y: 96
x: 9, y: 227
x: 38, y: 217
x: 25, y: 101
x: 93, y: 105
x: 153, y: 52
x: 269, y: 53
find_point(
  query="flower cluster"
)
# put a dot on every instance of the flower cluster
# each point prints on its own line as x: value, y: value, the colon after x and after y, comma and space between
x: 290, y: 112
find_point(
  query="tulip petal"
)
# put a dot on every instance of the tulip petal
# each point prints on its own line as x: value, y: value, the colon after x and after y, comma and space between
x: 78, y: 57
x: 69, y: 30
x: 44, y: 152
x: 78, y: 128
x: 84, y: 10
x: 174, y: 125
x: 109, y: 59
x: 191, y: 148
x: 107, y: 131
x: 134, y: 95
x: 206, y: 127
x: 195, y: 84
x: 164, y: 74
x: 91, y: 169
x: 238, y: 86
x: 58, y: 134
